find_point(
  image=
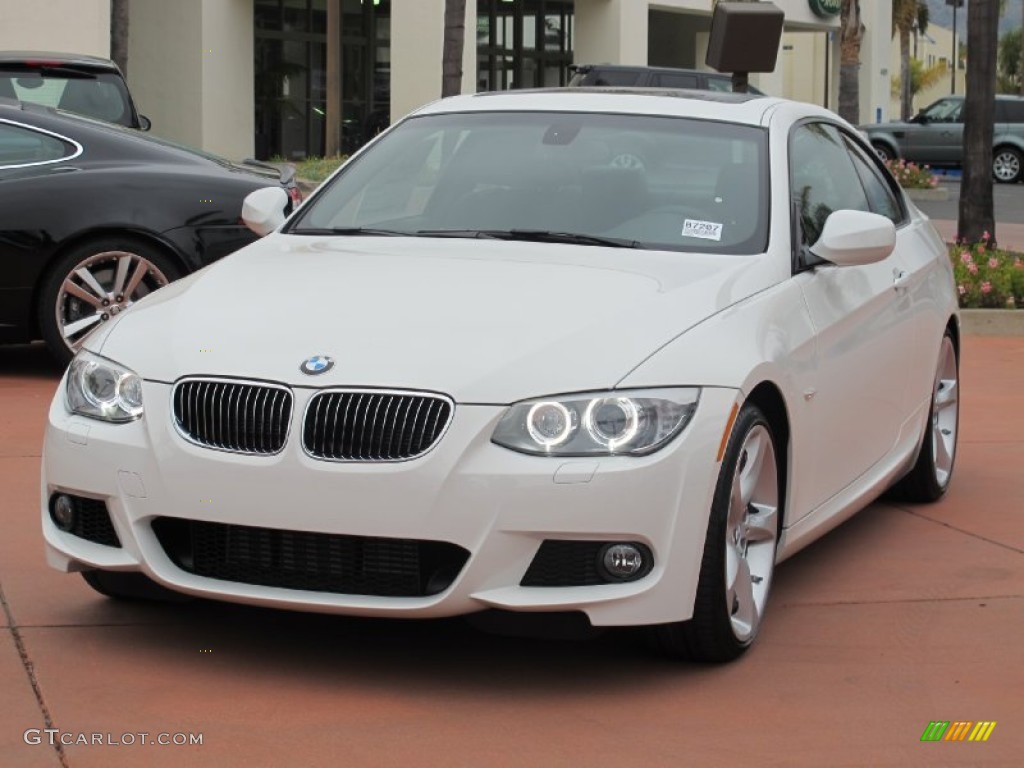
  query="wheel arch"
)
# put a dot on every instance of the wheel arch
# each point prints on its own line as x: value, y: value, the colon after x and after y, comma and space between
x: 81, y: 238
x: 769, y: 399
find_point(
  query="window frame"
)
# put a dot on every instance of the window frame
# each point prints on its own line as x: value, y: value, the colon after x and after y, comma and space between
x: 77, y: 148
x: 802, y: 259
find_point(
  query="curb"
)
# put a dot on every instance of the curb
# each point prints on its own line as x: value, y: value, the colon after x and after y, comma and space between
x: 934, y: 195
x: 992, y: 322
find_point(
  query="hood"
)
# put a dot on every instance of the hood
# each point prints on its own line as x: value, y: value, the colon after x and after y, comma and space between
x: 482, y: 321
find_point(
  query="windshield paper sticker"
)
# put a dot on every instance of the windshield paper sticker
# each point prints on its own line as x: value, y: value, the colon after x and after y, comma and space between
x: 706, y: 230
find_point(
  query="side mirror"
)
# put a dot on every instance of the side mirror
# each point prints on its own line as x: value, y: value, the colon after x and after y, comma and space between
x: 855, y: 238
x: 263, y: 210
x: 145, y: 123
x: 921, y: 118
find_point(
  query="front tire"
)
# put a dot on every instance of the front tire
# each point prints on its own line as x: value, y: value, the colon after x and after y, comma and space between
x: 930, y: 477
x: 739, y: 551
x: 92, y: 283
x: 1006, y: 165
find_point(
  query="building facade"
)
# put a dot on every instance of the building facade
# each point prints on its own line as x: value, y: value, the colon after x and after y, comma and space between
x: 247, y: 78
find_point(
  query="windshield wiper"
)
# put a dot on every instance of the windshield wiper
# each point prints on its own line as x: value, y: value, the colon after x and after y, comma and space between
x: 533, y: 235
x: 350, y: 231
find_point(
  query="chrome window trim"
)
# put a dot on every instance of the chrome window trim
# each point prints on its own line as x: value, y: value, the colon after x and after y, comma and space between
x: 60, y: 137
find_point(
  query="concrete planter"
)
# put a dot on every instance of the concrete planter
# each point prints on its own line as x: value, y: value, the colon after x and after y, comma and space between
x: 935, y: 194
x: 992, y: 322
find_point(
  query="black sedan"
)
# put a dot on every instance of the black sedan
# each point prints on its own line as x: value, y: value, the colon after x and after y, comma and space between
x: 93, y: 217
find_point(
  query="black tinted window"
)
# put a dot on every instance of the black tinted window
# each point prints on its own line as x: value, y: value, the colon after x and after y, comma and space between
x: 611, y: 77
x: 881, y: 197
x: 1009, y: 111
x: 822, y: 177
x: 674, y: 80
x: 24, y: 146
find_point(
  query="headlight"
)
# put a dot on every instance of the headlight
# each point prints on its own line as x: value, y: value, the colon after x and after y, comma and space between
x: 102, y: 389
x: 602, y: 424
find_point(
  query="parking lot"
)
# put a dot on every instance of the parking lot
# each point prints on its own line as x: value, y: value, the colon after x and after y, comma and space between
x: 903, y: 616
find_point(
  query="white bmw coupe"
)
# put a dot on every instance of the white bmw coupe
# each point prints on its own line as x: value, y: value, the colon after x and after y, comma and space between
x: 609, y: 352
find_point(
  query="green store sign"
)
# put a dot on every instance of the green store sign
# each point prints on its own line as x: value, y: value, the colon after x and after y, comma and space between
x: 825, y: 8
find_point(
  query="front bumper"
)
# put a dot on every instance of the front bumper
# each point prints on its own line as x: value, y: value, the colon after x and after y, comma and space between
x: 496, y: 504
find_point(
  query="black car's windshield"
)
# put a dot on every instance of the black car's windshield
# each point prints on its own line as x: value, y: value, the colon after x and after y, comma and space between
x: 579, y: 178
x: 101, y: 95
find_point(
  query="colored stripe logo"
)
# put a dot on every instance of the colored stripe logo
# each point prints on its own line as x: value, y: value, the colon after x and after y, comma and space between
x: 958, y: 730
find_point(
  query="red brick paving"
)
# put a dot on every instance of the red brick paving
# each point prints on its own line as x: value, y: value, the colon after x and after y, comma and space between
x: 904, y: 615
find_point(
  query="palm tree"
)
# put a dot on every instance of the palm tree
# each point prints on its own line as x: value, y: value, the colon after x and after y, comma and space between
x: 119, y: 15
x: 908, y: 16
x: 454, y: 41
x: 977, y: 214
x: 851, y: 33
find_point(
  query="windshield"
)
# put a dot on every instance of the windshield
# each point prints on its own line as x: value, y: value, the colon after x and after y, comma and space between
x: 592, y: 179
x: 101, y: 95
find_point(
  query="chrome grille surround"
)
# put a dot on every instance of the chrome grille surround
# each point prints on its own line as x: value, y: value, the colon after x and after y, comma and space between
x: 374, y: 425
x: 234, y: 415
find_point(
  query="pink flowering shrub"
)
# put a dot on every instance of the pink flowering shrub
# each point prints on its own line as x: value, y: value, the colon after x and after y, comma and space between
x: 912, y: 175
x: 987, y: 277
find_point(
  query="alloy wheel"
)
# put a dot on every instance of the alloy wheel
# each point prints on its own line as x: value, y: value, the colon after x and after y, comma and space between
x: 1006, y: 166
x: 750, y: 532
x: 945, y: 408
x: 101, y: 287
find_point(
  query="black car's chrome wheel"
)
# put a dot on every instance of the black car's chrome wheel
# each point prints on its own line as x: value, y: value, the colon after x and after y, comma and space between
x: 92, y: 284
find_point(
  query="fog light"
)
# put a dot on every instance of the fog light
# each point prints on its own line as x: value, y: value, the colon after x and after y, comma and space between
x: 63, y: 512
x: 625, y: 562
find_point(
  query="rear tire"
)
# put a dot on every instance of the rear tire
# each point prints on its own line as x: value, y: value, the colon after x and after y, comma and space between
x: 129, y: 585
x: 739, y: 551
x: 931, y: 475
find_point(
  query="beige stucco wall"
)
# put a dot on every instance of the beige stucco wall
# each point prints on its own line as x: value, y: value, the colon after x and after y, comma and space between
x: 417, y: 41
x: 68, y: 26
x: 191, y: 71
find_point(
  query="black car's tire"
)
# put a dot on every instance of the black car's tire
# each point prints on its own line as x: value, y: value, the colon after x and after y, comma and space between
x: 884, y: 151
x: 1006, y: 165
x: 739, y: 551
x: 933, y: 470
x: 70, y: 307
x: 129, y: 585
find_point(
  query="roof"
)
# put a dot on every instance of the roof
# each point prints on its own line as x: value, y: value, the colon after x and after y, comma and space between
x: 707, y: 105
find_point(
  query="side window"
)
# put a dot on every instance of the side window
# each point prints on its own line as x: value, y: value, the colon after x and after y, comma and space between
x: 612, y: 77
x: 945, y: 111
x: 20, y: 145
x: 673, y: 80
x: 882, y: 199
x: 720, y: 84
x: 1010, y: 110
x: 822, y: 177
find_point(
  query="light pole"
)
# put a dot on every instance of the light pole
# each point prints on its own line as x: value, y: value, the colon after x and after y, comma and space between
x: 953, y: 59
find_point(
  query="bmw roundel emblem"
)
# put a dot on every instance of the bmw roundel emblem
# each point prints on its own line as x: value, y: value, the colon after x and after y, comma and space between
x: 316, y: 365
